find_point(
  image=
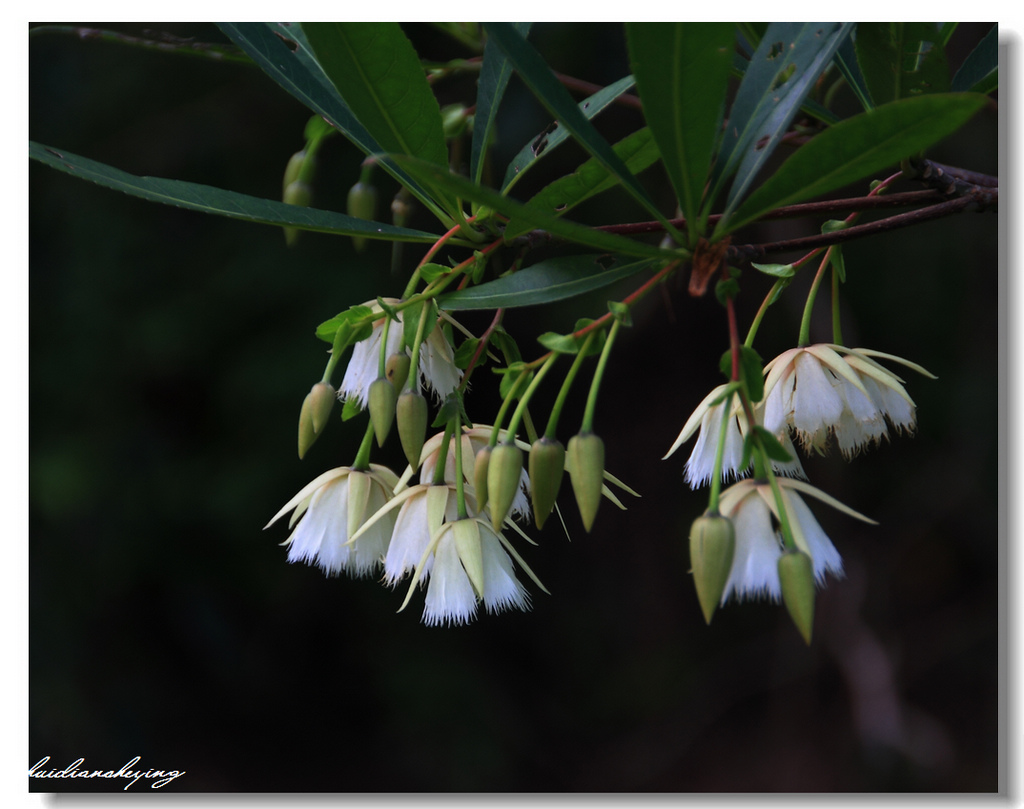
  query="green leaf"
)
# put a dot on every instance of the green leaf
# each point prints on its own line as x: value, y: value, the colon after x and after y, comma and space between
x: 772, y: 446
x: 550, y: 280
x: 494, y: 75
x: 638, y: 150
x: 682, y: 74
x: 901, y: 59
x: 375, y: 69
x: 776, y: 270
x: 464, y: 353
x: 298, y: 72
x: 751, y: 370
x: 554, y: 136
x: 207, y: 199
x: 536, y: 74
x: 571, y: 344
x: 856, y: 148
x: 561, y: 228
x: 562, y: 343
x: 846, y: 61
x: 980, y: 71
x: 327, y: 330
x: 783, y: 71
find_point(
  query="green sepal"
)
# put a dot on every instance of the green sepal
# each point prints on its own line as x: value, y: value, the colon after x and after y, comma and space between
x: 546, y: 465
x: 470, y: 550
x: 796, y: 575
x: 712, y: 548
x: 351, y: 409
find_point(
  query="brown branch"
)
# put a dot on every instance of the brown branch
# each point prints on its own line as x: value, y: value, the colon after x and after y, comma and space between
x: 742, y: 253
x: 802, y: 209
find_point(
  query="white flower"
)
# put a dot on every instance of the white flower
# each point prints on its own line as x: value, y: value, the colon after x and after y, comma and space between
x: 708, y: 418
x: 829, y: 389
x: 436, y: 362
x: 751, y: 506
x: 451, y: 597
x: 329, y: 510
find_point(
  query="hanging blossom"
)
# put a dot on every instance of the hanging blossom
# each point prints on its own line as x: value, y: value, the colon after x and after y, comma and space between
x: 423, y: 544
x: 331, y: 509
x: 708, y: 419
x: 751, y: 506
x: 826, y: 389
x: 436, y: 363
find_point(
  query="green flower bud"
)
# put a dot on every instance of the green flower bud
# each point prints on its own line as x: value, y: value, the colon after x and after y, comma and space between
x: 467, y: 544
x: 586, y: 456
x: 547, y: 462
x: 362, y: 204
x: 296, y: 193
x: 712, y: 547
x: 454, y: 120
x: 397, y: 369
x: 503, y: 470
x: 411, y: 414
x: 381, y: 404
x: 481, y: 464
x: 322, y: 402
x: 291, y: 171
x: 796, y: 575
x: 307, y: 435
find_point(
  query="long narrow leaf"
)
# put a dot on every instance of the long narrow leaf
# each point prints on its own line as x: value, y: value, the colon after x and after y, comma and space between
x: 559, y: 228
x: 901, y: 59
x: 207, y: 199
x: 495, y: 72
x: 551, y: 280
x: 980, y: 71
x: 534, y: 71
x: 637, y: 150
x: 782, y: 72
x: 294, y: 71
x: 374, y: 67
x: 846, y: 61
x: 545, y: 143
x: 682, y: 73
x: 856, y: 148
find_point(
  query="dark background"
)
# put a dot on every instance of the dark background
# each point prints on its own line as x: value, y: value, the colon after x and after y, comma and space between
x: 170, y: 352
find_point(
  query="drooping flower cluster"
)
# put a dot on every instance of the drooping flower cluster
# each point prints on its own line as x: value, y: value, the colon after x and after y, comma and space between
x: 367, y: 521
x: 816, y: 392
